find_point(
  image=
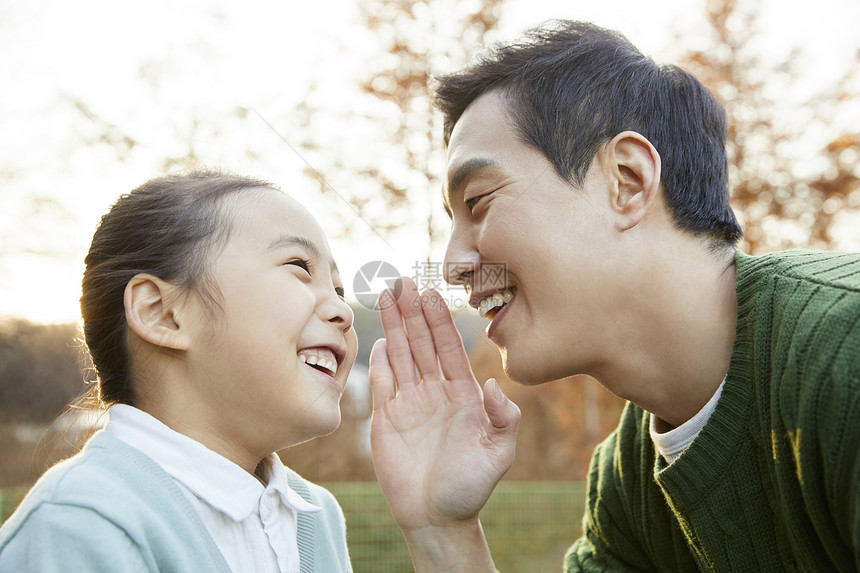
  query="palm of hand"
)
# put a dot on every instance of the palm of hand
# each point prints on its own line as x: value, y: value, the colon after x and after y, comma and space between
x: 436, y: 451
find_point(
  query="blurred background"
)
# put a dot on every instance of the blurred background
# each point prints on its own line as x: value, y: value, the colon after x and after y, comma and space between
x: 330, y: 101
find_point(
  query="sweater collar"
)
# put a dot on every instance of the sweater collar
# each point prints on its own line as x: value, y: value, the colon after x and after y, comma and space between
x: 710, y: 455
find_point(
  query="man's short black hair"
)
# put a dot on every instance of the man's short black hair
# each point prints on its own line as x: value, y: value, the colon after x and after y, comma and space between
x: 573, y: 86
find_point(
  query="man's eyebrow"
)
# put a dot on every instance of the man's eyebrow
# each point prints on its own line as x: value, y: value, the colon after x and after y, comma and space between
x: 307, y: 244
x: 461, y: 175
x: 467, y: 169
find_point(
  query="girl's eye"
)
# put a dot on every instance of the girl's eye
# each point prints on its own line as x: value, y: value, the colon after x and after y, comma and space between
x: 340, y: 292
x: 302, y: 264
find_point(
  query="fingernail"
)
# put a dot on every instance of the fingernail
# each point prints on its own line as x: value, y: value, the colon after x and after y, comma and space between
x: 497, y: 391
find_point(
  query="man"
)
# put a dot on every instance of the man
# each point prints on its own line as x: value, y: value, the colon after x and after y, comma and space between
x: 600, y: 179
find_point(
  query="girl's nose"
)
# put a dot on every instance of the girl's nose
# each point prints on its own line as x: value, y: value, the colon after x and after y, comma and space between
x: 336, y: 310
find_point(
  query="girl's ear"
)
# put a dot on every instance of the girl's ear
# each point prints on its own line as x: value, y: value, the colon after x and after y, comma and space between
x: 153, y: 310
x: 634, y: 169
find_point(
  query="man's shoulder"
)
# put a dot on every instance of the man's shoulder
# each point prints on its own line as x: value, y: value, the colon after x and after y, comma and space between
x: 829, y: 269
x: 800, y: 301
x: 799, y: 325
x: 809, y: 295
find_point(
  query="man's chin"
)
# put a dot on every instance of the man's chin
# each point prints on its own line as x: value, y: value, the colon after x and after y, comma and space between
x: 527, y: 372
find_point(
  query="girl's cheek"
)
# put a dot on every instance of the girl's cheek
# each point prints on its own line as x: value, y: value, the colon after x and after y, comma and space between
x: 351, y: 345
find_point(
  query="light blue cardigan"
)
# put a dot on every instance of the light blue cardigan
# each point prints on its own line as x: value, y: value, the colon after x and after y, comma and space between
x: 112, y: 508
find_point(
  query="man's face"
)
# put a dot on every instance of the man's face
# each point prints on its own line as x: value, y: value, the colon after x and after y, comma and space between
x: 509, y: 206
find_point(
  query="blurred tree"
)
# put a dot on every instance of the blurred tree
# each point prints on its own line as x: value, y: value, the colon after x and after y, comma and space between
x: 397, y: 183
x: 40, y: 370
x: 795, y: 165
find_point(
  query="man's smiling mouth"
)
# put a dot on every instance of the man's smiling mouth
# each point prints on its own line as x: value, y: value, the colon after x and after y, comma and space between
x: 491, y: 304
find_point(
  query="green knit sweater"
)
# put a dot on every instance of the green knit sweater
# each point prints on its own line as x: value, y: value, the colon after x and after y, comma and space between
x: 772, y: 483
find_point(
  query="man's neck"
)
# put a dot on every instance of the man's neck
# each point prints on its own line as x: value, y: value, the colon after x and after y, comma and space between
x: 676, y: 353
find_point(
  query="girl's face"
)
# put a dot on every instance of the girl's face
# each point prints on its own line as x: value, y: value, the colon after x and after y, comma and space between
x: 269, y: 366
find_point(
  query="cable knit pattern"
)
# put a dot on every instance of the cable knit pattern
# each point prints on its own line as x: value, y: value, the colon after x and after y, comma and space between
x: 772, y: 483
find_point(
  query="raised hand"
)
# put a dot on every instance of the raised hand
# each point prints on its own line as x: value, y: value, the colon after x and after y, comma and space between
x: 440, y: 444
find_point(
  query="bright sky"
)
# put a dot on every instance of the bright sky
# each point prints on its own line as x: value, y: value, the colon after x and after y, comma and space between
x: 167, y: 73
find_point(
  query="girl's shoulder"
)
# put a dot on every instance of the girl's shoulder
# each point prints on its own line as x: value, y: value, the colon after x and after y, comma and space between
x: 110, y: 507
x: 107, y: 477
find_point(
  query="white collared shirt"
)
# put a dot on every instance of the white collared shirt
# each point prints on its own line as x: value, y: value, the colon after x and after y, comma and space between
x: 672, y: 444
x: 253, y: 525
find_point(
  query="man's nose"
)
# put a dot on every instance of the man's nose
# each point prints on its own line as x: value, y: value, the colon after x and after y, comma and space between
x: 461, y: 260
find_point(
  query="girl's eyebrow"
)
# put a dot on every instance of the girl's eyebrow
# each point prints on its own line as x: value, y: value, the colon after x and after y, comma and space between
x: 307, y: 244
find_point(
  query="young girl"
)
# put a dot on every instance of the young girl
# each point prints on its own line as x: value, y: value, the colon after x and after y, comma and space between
x: 215, y: 318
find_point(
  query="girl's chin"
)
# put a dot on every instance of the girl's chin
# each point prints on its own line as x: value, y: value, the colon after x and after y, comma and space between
x: 328, y: 426
x: 317, y: 428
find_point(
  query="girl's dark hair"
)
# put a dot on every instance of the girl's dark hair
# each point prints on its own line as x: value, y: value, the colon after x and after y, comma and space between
x: 166, y: 227
x: 573, y: 86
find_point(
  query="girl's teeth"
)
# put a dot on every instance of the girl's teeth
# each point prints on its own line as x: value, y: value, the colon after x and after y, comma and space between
x: 321, y: 361
x: 498, y: 299
x: 508, y: 296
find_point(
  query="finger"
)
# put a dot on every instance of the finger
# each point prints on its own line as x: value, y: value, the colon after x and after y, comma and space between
x: 383, y: 385
x: 504, y: 415
x: 420, y: 338
x: 397, y: 341
x: 446, y: 338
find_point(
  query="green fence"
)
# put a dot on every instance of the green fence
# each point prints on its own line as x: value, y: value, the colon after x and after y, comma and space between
x: 529, y: 525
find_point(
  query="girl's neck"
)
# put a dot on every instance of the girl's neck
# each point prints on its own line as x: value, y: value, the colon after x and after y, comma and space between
x: 190, y: 422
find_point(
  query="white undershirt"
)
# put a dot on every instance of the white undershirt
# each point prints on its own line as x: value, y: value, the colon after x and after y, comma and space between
x: 672, y: 444
x: 253, y: 525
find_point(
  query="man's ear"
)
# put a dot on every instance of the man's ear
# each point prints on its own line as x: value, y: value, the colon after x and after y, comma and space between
x: 153, y: 310
x: 634, y: 169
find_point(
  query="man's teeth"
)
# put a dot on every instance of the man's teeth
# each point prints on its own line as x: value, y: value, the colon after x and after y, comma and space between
x: 320, y: 357
x: 495, y: 300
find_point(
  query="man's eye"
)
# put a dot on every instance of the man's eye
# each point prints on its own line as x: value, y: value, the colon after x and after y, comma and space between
x: 470, y: 203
